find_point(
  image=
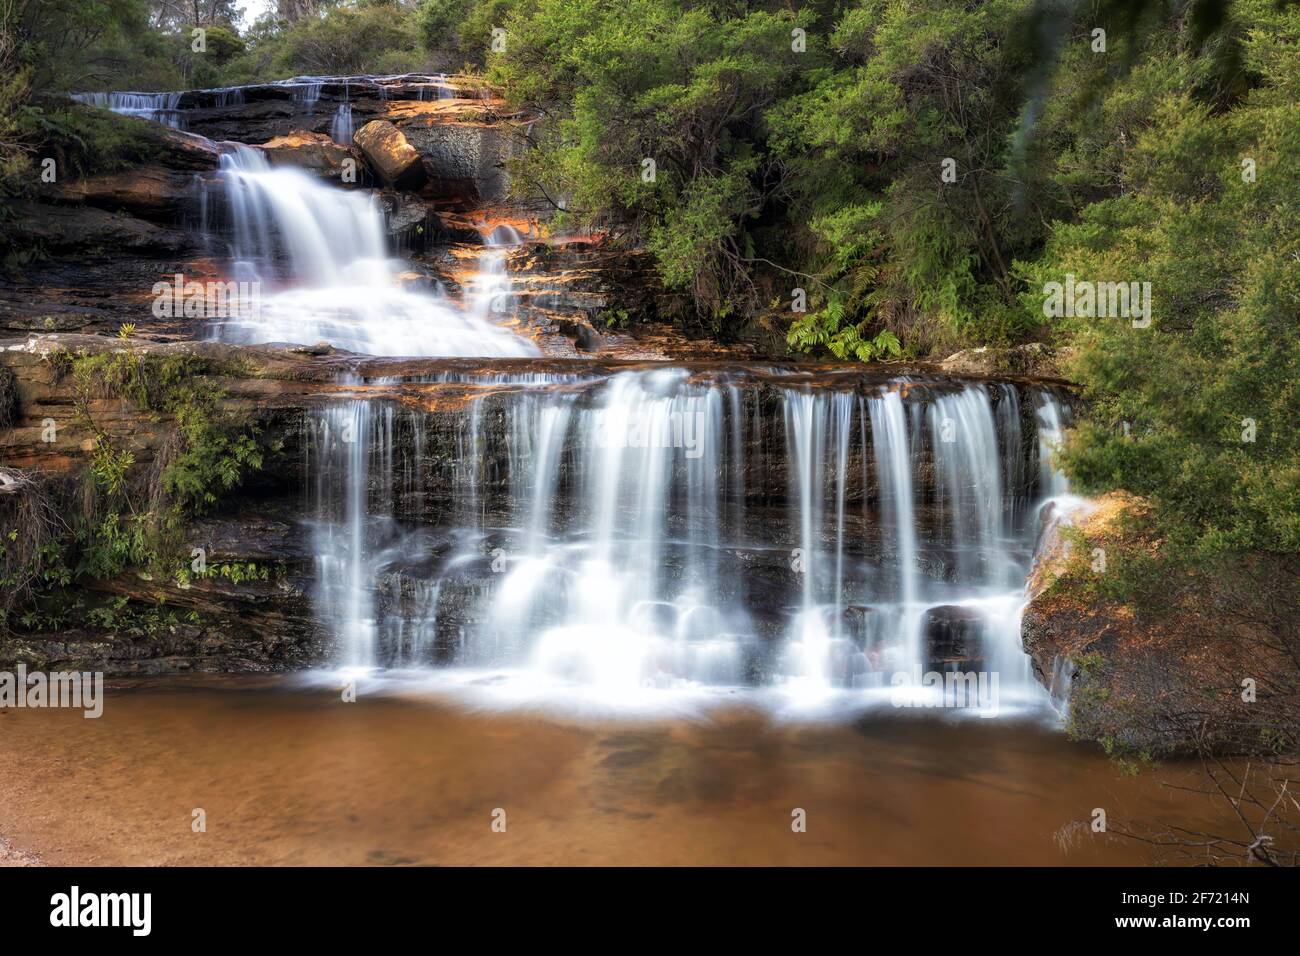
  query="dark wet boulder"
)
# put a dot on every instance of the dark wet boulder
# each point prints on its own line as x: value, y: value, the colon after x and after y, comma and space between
x: 464, y: 160
x: 954, y: 635
x: 409, y: 220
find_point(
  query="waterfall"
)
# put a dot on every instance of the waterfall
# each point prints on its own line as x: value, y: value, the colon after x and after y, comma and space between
x: 1050, y: 429
x: 331, y: 237
x: 611, y: 595
x: 321, y: 252
x: 636, y: 532
x: 341, y: 127
x: 970, y: 491
x: 893, y: 469
x: 345, y: 556
x: 645, y: 530
x: 226, y: 96
x: 814, y: 423
x: 305, y: 91
x: 489, y: 289
x: 159, y: 107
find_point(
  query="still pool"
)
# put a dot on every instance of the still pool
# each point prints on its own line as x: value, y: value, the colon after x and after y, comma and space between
x: 286, y: 774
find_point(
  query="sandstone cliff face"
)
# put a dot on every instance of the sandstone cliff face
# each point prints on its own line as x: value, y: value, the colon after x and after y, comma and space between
x: 151, y: 623
x: 1212, y: 665
x: 160, y: 190
x: 87, y: 231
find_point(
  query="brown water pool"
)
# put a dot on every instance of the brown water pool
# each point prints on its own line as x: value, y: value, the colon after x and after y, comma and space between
x: 288, y: 775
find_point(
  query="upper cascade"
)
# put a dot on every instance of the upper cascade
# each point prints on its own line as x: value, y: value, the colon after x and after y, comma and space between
x: 341, y: 287
x: 170, y: 107
x: 159, y: 107
x: 319, y: 255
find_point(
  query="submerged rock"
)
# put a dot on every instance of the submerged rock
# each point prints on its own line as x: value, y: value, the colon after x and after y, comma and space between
x: 954, y: 635
x: 409, y: 220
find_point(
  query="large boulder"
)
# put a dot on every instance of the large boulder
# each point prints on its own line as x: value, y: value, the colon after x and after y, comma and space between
x: 395, y: 161
x: 315, y: 153
x: 178, y: 149
x: 464, y: 159
x: 1210, y: 663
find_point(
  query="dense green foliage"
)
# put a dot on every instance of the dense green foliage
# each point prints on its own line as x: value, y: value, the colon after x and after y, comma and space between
x: 816, y: 160
x: 686, y: 90
x: 1198, y: 412
x: 371, y: 36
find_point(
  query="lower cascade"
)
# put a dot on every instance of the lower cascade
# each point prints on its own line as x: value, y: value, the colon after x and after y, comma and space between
x: 657, y: 528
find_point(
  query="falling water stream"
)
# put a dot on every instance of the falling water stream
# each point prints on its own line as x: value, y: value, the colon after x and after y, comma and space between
x: 320, y: 257
x: 341, y: 127
x: 630, y: 534
x: 159, y: 107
